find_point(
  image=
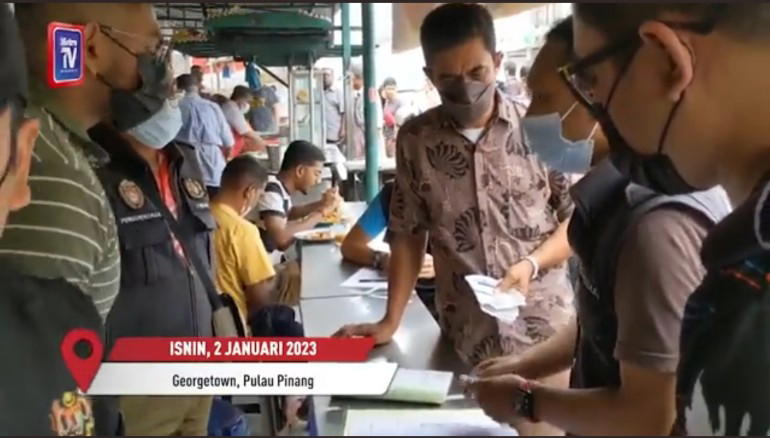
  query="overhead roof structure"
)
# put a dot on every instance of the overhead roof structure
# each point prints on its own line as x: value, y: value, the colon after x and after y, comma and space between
x: 274, y: 34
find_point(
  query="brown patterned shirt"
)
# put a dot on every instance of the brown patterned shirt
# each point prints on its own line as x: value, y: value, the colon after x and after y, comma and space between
x: 485, y: 206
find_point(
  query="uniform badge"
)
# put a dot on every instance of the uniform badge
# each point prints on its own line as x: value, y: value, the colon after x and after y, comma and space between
x: 194, y: 188
x: 131, y: 194
x: 71, y: 415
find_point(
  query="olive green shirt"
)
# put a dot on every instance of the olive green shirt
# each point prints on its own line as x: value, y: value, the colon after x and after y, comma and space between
x: 68, y: 230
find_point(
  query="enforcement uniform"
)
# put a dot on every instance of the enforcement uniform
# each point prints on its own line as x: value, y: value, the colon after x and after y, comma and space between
x: 39, y: 395
x: 608, y: 213
x: 161, y: 294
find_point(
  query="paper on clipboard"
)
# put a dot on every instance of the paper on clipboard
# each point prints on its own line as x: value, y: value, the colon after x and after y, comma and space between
x: 422, y: 422
x: 417, y: 386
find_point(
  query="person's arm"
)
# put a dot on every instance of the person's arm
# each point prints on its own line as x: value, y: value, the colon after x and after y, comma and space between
x: 553, y: 251
x: 550, y: 357
x: 255, y: 269
x: 408, y: 224
x: 282, y: 231
x: 355, y: 246
x: 329, y: 199
x: 658, y: 269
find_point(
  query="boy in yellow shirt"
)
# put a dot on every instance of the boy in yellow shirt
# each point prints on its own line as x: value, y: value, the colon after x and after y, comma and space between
x: 244, y: 270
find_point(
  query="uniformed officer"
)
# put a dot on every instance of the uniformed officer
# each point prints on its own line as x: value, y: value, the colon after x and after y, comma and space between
x: 164, y: 225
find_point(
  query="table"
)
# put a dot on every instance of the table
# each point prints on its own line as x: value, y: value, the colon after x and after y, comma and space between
x: 325, y: 307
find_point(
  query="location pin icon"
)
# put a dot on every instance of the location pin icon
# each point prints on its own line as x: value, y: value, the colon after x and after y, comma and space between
x: 82, y: 369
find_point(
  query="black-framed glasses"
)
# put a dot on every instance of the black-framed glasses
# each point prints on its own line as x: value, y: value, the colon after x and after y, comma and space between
x: 160, y: 50
x: 578, y: 76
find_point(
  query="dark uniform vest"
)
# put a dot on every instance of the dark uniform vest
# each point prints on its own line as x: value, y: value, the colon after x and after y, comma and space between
x: 607, y: 206
x: 38, y: 395
x: 160, y: 293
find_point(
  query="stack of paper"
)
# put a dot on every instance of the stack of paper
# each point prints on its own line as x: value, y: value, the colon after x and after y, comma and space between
x: 501, y: 305
x: 423, y: 422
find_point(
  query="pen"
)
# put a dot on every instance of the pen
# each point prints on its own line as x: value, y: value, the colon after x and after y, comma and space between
x: 372, y: 280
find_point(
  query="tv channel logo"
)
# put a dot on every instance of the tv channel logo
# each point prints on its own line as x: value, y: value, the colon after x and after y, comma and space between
x: 66, y: 61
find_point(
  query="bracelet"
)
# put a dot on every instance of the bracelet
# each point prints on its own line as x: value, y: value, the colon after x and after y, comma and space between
x: 377, y: 260
x: 535, y: 266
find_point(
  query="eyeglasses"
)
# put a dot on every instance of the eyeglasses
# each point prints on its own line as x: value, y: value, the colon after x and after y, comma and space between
x: 579, y: 77
x: 160, y: 49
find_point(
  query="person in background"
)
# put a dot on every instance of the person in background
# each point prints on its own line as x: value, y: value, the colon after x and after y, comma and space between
x: 681, y: 87
x: 390, y: 106
x: 205, y: 127
x: 639, y: 263
x: 334, y: 110
x: 301, y: 170
x: 235, y: 109
x: 197, y: 74
x: 263, y: 115
x: 512, y: 85
x: 244, y: 270
x: 468, y: 182
x: 155, y: 187
x: 357, y: 138
x: 35, y: 313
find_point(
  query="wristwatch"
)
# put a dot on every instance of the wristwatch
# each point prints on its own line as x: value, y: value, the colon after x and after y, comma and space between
x: 524, y: 403
x: 378, y: 259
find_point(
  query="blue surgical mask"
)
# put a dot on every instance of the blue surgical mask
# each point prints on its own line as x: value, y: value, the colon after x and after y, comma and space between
x: 544, y: 138
x: 158, y: 131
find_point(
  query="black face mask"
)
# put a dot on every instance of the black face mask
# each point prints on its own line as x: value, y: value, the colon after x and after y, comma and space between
x: 655, y: 171
x: 130, y: 108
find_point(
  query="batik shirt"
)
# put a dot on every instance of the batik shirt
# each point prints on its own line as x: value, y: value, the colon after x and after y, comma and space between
x: 485, y: 206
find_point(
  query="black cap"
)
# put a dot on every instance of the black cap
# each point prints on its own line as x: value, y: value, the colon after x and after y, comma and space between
x: 13, y: 65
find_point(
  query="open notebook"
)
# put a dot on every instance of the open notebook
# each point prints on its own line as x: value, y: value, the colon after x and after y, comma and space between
x: 417, y: 386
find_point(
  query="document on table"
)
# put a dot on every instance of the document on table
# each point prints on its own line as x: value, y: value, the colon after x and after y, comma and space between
x: 422, y: 422
x: 417, y: 386
x: 367, y: 278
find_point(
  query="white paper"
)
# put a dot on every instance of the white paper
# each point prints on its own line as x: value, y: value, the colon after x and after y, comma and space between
x: 422, y: 422
x: 366, y: 278
x: 378, y: 244
x: 503, y: 306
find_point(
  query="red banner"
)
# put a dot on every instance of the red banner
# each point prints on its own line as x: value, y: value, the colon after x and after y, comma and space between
x: 241, y: 350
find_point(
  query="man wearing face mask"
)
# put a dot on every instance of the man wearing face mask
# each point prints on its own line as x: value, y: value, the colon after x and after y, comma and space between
x: 638, y: 252
x: 235, y: 109
x: 489, y: 206
x: 155, y: 187
x: 681, y: 89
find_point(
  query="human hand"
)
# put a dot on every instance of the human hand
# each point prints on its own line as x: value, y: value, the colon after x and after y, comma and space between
x: 427, y: 271
x: 331, y: 198
x: 497, y: 366
x: 497, y: 396
x: 382, y: 332
x: 517, y: 277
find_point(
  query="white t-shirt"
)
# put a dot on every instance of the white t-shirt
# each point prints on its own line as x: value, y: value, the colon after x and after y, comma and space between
x: 472, y: 134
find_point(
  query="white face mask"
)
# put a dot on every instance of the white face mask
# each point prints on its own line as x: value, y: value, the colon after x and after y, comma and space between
x: 244, y: 107
x: 158, y: 131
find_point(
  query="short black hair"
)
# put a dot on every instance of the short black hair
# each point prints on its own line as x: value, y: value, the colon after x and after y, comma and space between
x: 301, y: 153
x: 452, y: 24
x: 562, y: 32
x: 619, y: 20
x: 185, y: 82
x: 243, y: 170
x: 219, y: 99
x: 524, y: 72
x: 241, y: 92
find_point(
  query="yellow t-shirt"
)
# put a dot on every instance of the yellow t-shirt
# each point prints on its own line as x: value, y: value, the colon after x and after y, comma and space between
x: 241, y: 258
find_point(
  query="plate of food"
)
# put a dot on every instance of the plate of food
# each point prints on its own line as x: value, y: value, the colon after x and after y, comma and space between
x: 334, y: 218
x: 316, y: 235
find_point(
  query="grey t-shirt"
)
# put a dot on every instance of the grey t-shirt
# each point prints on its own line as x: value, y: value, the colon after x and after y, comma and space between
x: 658, y: 268
x: 333, y: 111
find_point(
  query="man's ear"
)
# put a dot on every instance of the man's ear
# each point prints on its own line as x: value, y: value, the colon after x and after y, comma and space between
x: 25, y: 142
x: 498, y: 60
x: 94, y: 41
x: 677, y: 48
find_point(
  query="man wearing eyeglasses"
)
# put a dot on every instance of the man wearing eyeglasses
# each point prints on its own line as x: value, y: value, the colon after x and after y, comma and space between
x: 68, y: 231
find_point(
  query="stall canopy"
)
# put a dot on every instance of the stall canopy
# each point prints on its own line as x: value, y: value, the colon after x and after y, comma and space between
x: 407, y: 18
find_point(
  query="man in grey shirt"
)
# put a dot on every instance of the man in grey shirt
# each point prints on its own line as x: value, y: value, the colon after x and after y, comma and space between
x: 334, y: 109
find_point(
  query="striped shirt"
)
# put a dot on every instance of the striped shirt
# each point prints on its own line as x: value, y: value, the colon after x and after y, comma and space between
x: 68, y: 230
